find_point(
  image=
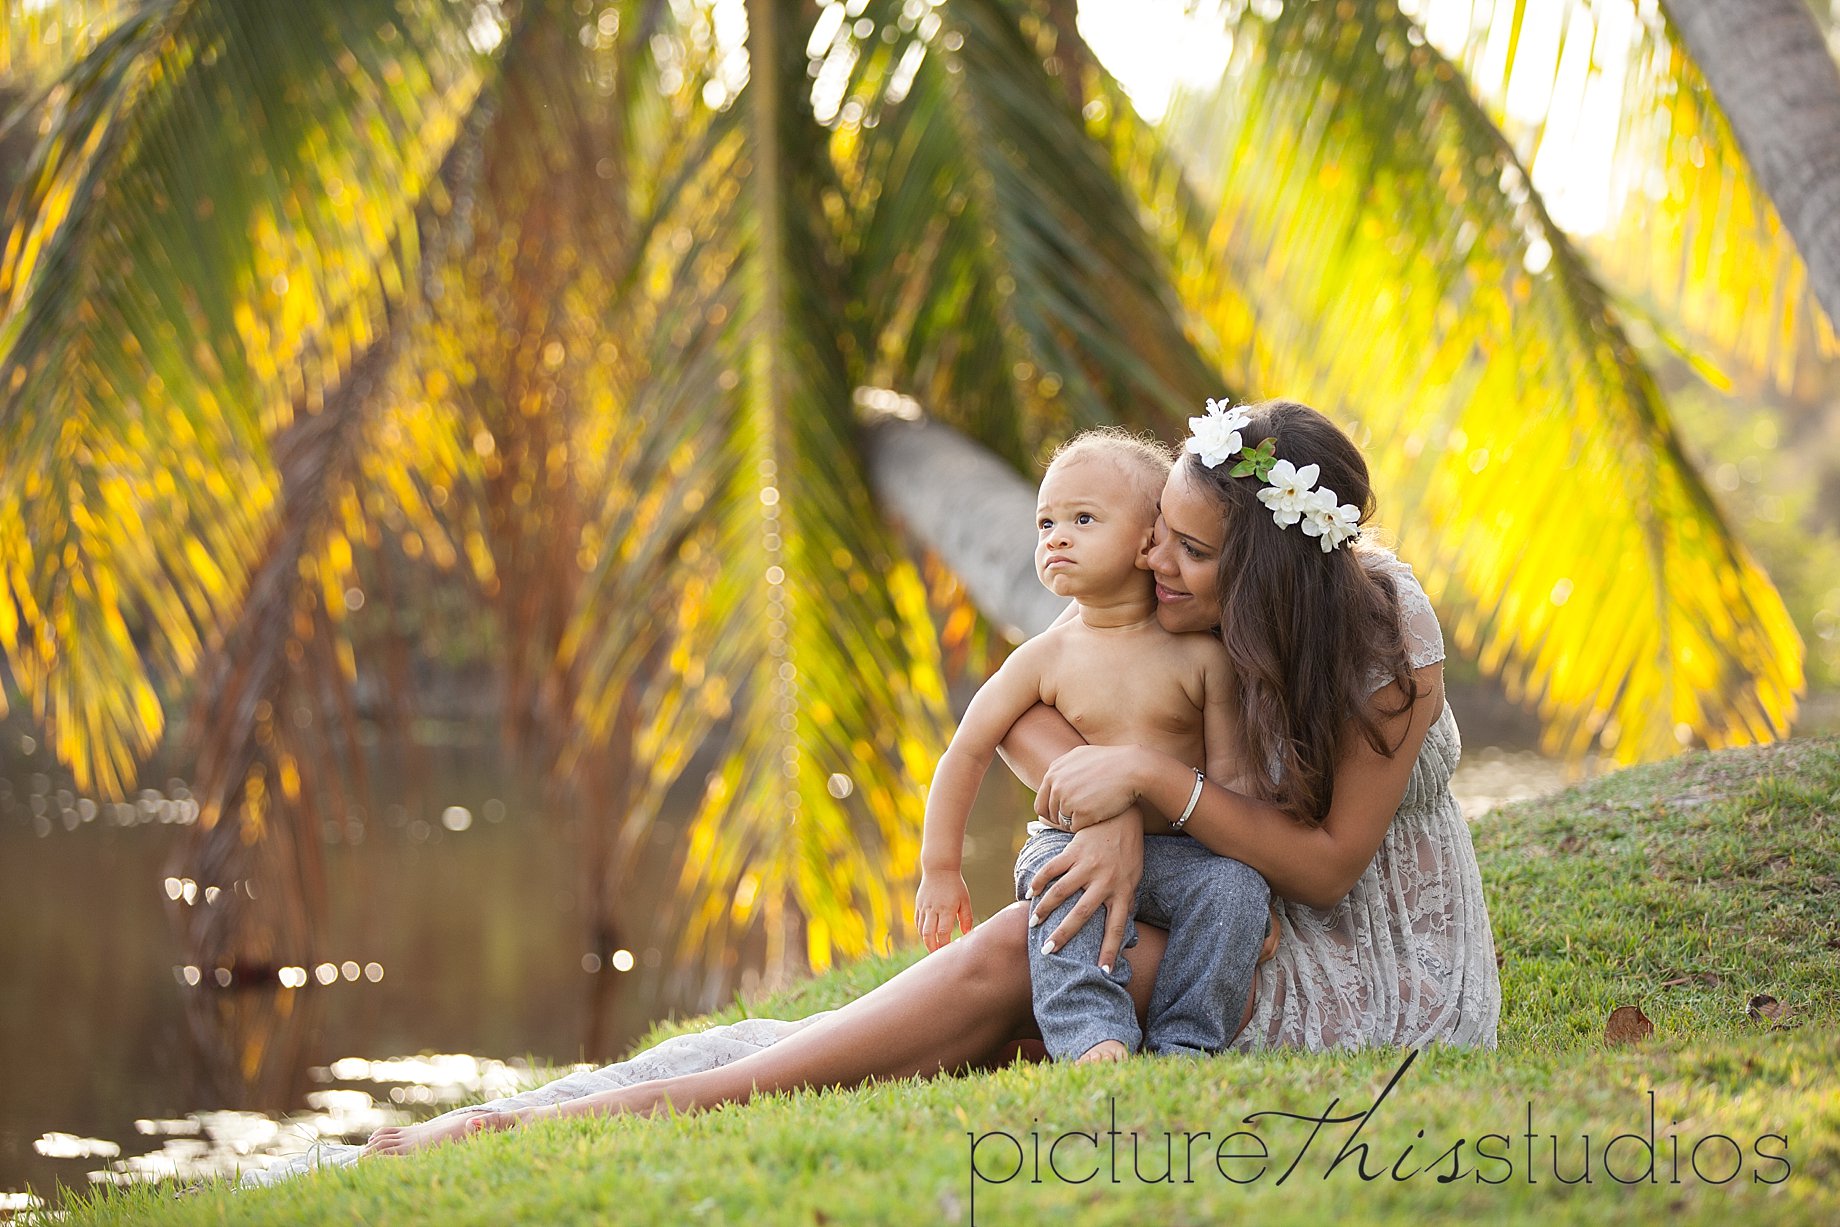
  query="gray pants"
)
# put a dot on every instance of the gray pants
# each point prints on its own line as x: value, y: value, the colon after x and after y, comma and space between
x: 1216, y: 910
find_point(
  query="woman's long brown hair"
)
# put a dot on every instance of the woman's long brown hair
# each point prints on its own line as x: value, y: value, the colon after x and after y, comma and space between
x: 1308, y: 633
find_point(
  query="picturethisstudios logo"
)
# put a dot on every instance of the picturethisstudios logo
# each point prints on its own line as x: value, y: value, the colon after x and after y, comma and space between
x: 1341, y: 1143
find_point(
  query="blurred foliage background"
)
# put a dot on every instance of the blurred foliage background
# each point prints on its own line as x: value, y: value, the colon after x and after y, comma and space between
x: 364, y: 354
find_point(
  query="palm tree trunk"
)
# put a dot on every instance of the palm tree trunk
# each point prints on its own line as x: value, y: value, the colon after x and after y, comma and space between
x: 969, y: 507
x: 1774, y: 77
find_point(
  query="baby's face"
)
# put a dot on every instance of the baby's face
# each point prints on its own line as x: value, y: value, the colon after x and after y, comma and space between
x: 1092, y: 527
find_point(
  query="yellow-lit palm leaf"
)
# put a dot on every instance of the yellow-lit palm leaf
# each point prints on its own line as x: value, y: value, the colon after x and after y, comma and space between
x: 1628, y: 130
x: 751, y: 565
x: 1375, y: 250
x: 206, y: 234
x: 38, y: 41
x: 1007, y: 280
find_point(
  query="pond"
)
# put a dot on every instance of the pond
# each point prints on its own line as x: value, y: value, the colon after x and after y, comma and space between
x: 456, y: 927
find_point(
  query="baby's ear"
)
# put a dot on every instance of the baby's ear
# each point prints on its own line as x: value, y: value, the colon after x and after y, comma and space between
x: 1143, y: 548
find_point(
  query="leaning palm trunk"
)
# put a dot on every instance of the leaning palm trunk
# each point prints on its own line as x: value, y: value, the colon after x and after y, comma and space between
x: 969, y: 507
x: 1770, y: 69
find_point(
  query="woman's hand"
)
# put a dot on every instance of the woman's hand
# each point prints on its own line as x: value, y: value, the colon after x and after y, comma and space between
x: 1089, y: 784
x: 1106, y: 860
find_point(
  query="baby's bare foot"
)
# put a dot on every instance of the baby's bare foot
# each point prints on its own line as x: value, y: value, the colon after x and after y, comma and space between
x: 403, y: 1139
x: 1104, y: 1050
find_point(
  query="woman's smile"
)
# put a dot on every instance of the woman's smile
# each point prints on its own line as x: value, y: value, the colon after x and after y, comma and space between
x: 1184, y: 555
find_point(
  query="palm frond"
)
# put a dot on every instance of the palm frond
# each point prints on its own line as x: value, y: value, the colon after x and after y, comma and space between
x: 752, y: 567
x: 1526, y: 454
x: 649, y: 415
x: 1005, y: 276
x: 173, y: 286
x: 1604, y: 105
x: 39, y: 41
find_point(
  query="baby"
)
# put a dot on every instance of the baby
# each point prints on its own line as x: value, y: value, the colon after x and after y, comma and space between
x: 1118, y: 678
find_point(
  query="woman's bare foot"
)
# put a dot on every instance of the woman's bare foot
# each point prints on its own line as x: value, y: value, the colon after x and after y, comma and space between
x: 494, y: 1122
x: 1104, y: 1050
x: 404, y: 1139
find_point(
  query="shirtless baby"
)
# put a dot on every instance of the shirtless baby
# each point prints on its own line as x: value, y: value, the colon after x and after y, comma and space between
x: 1118, y: 678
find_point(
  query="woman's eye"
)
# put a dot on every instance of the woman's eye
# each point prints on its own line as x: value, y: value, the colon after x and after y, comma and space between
x: 1190, y: 550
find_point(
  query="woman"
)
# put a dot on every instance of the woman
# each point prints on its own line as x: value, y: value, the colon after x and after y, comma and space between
x: 1384, y: 935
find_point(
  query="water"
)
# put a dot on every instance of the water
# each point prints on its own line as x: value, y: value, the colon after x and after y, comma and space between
x: 455, y: 927
x: 456, y: 941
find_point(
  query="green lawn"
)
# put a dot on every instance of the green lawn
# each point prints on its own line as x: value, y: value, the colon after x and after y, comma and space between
x: 1686, y: 888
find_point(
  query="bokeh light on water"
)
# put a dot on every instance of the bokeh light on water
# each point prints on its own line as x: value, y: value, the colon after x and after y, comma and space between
x: 362, y: 1095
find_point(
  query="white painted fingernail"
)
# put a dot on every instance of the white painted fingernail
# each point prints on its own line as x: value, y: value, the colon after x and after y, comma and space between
x: 1106, y: 968
x: 1034, y: 920
x: 1047, y: 947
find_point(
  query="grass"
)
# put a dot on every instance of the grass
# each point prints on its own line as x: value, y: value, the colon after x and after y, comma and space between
x: 1687, y: 889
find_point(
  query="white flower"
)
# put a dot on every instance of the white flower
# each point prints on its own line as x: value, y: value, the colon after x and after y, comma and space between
x: 1287, y: 492
x: 1216, y: 436
x: 1334, y: 524
x: 1347, y: 526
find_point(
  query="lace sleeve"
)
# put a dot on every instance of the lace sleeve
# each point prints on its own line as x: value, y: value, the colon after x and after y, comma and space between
x: 1424, y: 638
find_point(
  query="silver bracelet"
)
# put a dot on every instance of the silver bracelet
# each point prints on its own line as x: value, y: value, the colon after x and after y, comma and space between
x: 1188, y: 810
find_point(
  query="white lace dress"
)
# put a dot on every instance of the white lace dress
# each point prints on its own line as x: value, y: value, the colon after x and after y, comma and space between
x: 1407, y: 958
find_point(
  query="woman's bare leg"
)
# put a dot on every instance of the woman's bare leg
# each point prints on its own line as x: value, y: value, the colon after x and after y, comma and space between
x: 956, y: 1009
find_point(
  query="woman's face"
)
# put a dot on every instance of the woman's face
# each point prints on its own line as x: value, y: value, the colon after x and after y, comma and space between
x: 1185, y: 555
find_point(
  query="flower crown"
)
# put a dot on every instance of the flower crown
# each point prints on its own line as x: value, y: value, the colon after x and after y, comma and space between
x: 1291, y: 493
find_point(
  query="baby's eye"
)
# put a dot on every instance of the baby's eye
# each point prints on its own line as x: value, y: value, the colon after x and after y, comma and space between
x: 1085, y: 517
x: 1044, y: 523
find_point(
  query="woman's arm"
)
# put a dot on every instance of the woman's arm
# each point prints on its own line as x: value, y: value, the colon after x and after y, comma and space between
x: 1036, y: 739
x: 1104, y: 860
x: 1315, y: 865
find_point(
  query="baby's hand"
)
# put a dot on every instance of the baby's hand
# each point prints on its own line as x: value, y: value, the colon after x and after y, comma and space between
x: 942, y: 899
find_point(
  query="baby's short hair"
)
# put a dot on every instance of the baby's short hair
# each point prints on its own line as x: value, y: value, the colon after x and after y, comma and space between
x: 1144, y: 458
